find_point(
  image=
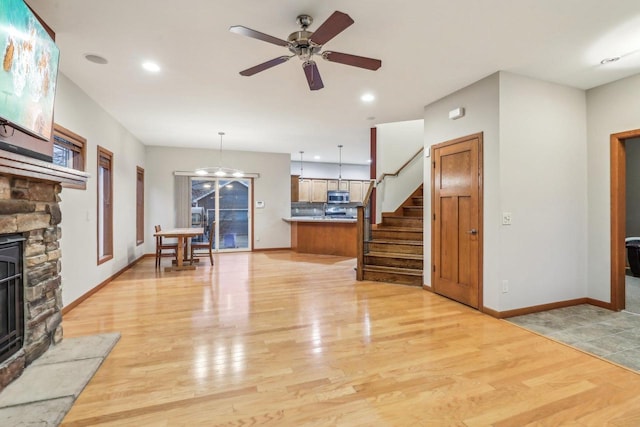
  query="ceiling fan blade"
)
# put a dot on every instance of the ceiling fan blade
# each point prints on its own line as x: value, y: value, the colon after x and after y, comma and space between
x: 353, y: 60
x: 330, y: 28
x: 264, y: 66
x: 313, y: 75
x: 244, y: 31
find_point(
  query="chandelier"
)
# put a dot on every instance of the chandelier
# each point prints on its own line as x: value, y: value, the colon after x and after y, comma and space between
x: 219, y: 170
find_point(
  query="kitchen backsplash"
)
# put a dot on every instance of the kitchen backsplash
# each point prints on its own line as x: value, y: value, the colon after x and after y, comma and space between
x: 318, y: 209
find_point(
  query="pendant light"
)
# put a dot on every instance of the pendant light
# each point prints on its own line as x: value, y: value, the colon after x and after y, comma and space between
x: 340, y: 164
x: 220, y: 171
x: 301, y: 153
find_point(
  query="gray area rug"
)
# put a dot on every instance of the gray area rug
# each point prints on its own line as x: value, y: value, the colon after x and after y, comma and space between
x: 47, y: 388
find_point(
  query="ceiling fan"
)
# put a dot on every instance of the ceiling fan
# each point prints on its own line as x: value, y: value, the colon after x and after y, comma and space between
x: 304, y: 44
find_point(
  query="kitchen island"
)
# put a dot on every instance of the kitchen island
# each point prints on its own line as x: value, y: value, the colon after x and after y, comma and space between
x: 324, y: 235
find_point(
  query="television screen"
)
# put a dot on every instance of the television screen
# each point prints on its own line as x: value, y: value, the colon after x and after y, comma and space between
x: 29, y: 70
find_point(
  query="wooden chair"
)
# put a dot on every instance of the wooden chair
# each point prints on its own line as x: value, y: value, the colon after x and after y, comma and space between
x: 163, y: 246
x: 203, y: 246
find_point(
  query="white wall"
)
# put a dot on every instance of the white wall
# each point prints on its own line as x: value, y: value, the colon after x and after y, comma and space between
x: 480, y: 101
x: 611, y: 108
x: 330, y: 170
x: 543, y: 183
x: 534, y: 137
x: 273, y: 187
x: 77, y: 112
x: 396, y: 144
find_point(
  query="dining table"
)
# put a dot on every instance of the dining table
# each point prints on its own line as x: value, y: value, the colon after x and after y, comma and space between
x: 182, y: 234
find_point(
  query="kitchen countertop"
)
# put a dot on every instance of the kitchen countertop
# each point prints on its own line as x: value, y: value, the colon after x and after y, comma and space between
x: 320, y: 219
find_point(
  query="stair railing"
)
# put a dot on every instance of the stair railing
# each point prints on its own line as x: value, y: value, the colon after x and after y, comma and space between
x: 364, y: 222
x: 396, y: 173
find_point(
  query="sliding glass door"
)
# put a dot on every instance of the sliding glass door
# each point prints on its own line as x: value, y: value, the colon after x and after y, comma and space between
x: 222, y: 206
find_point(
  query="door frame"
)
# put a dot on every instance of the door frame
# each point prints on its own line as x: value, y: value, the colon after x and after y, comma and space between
x: 618, y: 216
x: 479, y: 137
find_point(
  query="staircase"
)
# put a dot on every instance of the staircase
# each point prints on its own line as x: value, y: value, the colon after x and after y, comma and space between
x: 395, y: 250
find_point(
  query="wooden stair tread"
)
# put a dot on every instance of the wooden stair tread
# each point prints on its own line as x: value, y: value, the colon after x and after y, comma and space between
x: 397, y: 242
x: 395, y: 270
x: 395, y: 255
x: 382, y: 227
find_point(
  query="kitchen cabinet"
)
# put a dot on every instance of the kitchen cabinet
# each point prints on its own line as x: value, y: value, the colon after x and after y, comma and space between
x: 304, y: 190
x: 319, y: 190
x: 310, y: 236
x: 355, y: 191
x: 342, y: 185
x: 295, y: 188
x: 315, y: 190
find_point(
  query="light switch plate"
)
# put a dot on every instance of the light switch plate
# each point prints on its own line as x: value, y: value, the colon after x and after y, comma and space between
x: 506, y: 218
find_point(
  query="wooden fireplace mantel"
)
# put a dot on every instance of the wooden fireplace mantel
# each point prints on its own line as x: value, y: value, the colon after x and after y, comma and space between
x: 19, y: 165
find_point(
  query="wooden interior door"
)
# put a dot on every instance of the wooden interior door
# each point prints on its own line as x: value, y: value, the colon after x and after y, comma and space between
x: 456, y: 206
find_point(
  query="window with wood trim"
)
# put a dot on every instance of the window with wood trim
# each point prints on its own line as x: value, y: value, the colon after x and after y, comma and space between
x: 105, y: 205
x: 69, y: 150
x: 139, y: 205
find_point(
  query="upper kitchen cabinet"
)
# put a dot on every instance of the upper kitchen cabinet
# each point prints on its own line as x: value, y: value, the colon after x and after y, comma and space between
x: 355, y: 191
x: 295, y: 188
x: 304, y: 190
x: 319, y: 190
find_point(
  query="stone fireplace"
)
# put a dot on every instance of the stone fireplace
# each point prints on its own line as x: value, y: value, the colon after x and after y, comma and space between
x: 30, y: 214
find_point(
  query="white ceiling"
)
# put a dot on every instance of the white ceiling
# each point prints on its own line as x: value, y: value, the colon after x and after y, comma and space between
x: 428, y: 48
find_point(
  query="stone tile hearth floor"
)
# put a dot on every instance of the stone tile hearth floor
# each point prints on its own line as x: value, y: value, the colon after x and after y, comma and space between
x: 47, y: 388
x: 607, y: 334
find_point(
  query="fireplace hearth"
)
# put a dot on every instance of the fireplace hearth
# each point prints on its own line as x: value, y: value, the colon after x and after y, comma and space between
x: 11, y: 295
x: 31, y: 289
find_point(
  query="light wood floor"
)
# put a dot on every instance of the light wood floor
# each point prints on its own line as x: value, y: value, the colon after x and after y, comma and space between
x: 284, y: 339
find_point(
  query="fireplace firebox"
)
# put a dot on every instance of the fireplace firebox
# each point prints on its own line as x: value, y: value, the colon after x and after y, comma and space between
x: 11, y: 295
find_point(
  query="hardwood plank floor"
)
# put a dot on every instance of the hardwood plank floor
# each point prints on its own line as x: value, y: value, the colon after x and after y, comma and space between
x: 288, y: 339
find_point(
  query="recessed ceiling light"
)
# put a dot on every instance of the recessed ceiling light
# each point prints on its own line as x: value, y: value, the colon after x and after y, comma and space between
x: 367, y: 97
x: 151, y: 66
x: 610, y: 60
x: 316, y: 157
x: 369, y: 161
x: 96, y: 59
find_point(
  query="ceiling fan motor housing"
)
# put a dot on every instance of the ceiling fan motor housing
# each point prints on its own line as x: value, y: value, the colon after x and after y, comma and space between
x: 300, y: 45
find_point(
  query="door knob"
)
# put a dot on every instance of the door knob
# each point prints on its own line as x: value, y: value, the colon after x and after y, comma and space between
x: 472, y: 231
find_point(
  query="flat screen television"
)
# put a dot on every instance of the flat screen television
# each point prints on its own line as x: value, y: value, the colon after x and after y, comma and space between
x: 29, y: 72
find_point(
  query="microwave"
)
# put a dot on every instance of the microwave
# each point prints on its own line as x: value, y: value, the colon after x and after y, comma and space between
x: 337, y: 196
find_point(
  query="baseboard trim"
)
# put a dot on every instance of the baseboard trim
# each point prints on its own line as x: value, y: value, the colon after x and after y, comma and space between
x: 67, y: 308
x: 601, y: 304
x: 271, y: 249
x: 535, y: 308
x: 427, y: 288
